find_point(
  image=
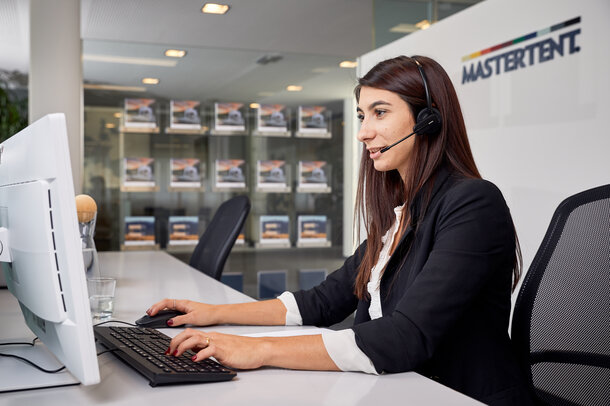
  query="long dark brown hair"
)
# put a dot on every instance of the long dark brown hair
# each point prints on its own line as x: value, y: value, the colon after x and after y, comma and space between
x: 379, y: 192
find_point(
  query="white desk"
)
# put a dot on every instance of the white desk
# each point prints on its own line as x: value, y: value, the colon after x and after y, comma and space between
x: 145, y: 277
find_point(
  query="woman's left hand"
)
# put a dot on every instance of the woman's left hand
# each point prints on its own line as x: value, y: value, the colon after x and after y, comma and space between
x: 230, y: 350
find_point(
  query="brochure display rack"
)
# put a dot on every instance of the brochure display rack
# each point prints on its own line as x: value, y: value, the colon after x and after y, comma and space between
x: 140, y: 114
x: 139, y: 174
x: 185, y: 174
x: 185, y: 118
x: 163, y: 167
x: 313, y: 122
x: 139, y: 233
x: 229, y: 174
x: 229, y: 119
x: 272, y: 120
x: 272, y: 176
x: 274, y: 232
x: 313, y: 231
x: 183, y: 230
x: 314, y: 177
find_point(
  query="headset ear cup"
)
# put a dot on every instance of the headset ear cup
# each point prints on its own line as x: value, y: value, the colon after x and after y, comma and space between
x: 428, y: 122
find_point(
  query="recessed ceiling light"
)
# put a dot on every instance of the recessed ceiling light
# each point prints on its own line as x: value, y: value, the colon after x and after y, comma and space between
x: 150, y: 81
x: 117, y: 115
x: 175, y: 53
x: 110, y: 125
x: 294, y: 88
x: 214, y: 8
x: 254, y: 105
x: 348, y: 64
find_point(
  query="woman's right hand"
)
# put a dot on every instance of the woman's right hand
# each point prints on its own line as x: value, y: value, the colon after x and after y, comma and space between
x: 195, y: 313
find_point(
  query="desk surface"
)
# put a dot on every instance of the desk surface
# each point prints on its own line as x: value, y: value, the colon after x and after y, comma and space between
x: 145, y: 277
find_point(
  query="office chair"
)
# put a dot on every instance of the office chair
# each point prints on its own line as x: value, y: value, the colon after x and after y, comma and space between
x: 216, y: 242
x: 561, y: 321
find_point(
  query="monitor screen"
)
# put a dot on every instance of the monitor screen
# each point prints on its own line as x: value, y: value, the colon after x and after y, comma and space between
x: 39, y: 226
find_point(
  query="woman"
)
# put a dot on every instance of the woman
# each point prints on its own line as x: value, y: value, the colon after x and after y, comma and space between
x: 431, y: 284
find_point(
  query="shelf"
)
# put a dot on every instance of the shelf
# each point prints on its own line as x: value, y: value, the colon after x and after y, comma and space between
x: 272, y: 245
x: 139, y: 189
x: 312, y: 135
x: 230, y: 189
x: 150, y: 247
x: 313, y: 244
x: 301, y: 189
x: 185, y: 189
x: 224, y: 132
x: 273, y: 189
x: 186, y: 131
x: 139, y: 130
x: 285, y: 134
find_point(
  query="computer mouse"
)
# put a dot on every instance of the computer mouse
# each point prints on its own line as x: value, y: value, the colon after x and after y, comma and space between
x: 159, y: 320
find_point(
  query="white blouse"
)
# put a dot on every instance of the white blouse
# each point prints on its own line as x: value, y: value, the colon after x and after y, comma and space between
x: 341, y: 345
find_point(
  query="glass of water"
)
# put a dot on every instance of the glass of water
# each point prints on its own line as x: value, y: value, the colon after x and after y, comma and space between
x: 101, y: 297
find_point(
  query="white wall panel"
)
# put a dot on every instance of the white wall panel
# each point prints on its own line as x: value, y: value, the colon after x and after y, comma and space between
x: 539, y: 132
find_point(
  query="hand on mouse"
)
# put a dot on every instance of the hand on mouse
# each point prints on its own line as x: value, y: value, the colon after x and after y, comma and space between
x: 195, y: 313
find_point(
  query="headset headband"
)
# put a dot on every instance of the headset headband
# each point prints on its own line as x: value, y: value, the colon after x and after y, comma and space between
x: 423, y: 76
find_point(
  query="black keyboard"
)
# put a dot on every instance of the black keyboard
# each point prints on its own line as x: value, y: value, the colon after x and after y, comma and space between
x: 144, y: 350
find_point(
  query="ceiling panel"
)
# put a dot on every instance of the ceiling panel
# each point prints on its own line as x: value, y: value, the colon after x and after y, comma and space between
x: 327, y: 27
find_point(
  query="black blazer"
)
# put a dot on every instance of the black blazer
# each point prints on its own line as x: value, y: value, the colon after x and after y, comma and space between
x: 445, y: 295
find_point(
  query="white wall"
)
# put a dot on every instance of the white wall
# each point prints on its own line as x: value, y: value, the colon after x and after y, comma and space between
x: 540, y: 132
x: 55, y: 74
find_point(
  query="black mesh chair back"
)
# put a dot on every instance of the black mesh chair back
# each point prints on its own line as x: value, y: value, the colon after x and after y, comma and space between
x: 561, y: 321
x: 216, y: 242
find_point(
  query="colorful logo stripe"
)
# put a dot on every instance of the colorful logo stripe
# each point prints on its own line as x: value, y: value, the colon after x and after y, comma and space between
x: 523, y: 38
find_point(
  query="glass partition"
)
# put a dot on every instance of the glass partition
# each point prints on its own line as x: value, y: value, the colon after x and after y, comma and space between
x: 159, y: 159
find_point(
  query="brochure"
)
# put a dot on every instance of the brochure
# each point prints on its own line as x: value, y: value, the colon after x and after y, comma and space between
x: 230, y: 173
x: 234, y: 280
x: 140, y: 113
x: 309, y: 278
x: 139, y: 172
x: 229, y: 117
x: 271, y: 284
x: 139, y: 230
x: 312, y: 230
x: 272, y: 118
x: 184, y: 115
x: 312, y: 175
x: 271, y: 174
x: 312, y: 120
x: 274, y: 230
x: 183, y: 230
x: 185, y: 172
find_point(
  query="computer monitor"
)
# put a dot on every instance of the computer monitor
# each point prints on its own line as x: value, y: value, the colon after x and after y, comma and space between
x: 39, y: 230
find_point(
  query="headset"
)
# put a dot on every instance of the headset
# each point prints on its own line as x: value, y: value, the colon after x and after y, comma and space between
x: 428, y: 120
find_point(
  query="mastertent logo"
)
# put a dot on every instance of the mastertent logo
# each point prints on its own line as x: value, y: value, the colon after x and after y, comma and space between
x: 519, y: 58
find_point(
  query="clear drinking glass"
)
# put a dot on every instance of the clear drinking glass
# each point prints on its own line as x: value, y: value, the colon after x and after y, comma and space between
x: 101, y: 296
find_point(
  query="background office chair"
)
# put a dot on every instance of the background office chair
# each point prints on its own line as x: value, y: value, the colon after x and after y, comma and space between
x: 216, y: 242
x: 561, y: 322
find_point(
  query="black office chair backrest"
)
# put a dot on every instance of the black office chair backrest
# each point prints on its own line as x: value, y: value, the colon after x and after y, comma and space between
x: 561, y: 322
x: 216, y: 242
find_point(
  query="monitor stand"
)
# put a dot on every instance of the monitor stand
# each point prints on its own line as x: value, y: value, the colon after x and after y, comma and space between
x: 17, y: 375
